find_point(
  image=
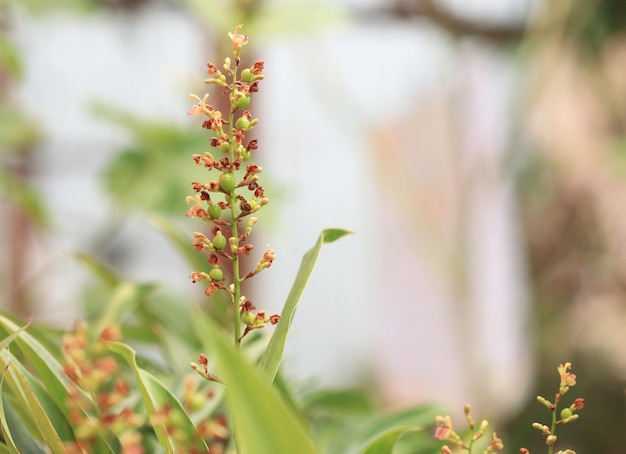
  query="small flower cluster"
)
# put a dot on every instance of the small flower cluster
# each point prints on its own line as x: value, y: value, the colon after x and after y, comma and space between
x: 98, y: 402
x: 229, y: 201
x: 567, y: 414
x: 445, y: 431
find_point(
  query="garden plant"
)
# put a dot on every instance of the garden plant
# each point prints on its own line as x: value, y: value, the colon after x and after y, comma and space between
x: 133, y: 379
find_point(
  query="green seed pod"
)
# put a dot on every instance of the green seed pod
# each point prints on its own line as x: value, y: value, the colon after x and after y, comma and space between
x: 219, y: 242
x: 242, y: 123
x: 245, y: 155
x: 215, y: 211
x: 225, y: 147
x: 248, y: 318
x: 216, y: 274
x: 227, y: 181
x: 566, y: 413
x: 243, y: 102
x: 246, y: 75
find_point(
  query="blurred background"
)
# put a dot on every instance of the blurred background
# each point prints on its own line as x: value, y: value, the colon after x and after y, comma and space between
x: 477, y: 149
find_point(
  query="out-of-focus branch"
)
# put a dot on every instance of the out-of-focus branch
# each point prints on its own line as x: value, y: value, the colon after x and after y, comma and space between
x: 454, y: 24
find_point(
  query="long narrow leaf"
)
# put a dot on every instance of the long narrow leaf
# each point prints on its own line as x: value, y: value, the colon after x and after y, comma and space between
x: 156, y: 397
x: 270, y: 361
x: 8, y: 339
x: 20, y: 440
x: 262, y: 422
x: 46, y: 429
x: 47, y: 367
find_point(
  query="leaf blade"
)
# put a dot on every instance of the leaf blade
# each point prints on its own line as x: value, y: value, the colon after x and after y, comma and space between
x: 262, y: 420
x: 271, y: 359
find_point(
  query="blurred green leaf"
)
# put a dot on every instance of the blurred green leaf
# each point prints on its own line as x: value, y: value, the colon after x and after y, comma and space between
x: 359, y: 434
x: 270, y: 361
x: 262, y: 421
x: 47, y: 6
x: 47, y: 367
x: 126, y: 297
x: 15, y: 433
x: 8, y: 339
x: 160, y: 153
x: 106, y: 274
x: 384, y: 443
x: 30, y: 404
x: 17, y: 133
x: 50, y: 408
x: 10, y: 59
x: 263, y: 19
x: 156, y: 397
x: 341, y: 401
x: 24, y: 196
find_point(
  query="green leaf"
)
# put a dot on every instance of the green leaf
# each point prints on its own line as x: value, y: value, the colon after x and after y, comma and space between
x: 384, y: 443
x: 10, y: 60
x: 376, y: 426
x: 126, y: 297
x: 270, y: 361
x: 8, y: 339
x: 156, y: 396
x: 106, y: 274
x: 6, y: 432
x: 338, y: 401
x: 47, y: 367
x: 19, y: 439
x: 51, y: 410
x: 31, y: 405
x: 262, y: 422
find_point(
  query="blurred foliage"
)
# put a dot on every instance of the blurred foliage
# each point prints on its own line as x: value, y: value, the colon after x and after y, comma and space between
x: 267, y: 18
x: 47, y: 6
x: 146, y: 176
x: 594, y: 22
x: 38, y: 386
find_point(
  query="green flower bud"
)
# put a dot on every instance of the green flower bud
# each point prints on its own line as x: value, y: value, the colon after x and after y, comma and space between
x: 242, y: 123
x: 215, y: 211
x: 246, y: 75
x: 227, y: 181
x: 247, y: 317
x: 245, y: 155
x: 566, y: 413
x: 216, y: 274
x: 243, y: 102
x: 219, y: 242
x: 225, y: 147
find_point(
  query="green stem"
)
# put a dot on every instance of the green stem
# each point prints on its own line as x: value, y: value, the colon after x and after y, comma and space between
x: 553, y: 428
x: 234, y: 223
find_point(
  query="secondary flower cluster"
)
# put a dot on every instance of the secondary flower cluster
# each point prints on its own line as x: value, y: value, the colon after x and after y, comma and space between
x: 99, y: 393
x: 445, y: 431
x: 229, y: 201
x: 567, y: 414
